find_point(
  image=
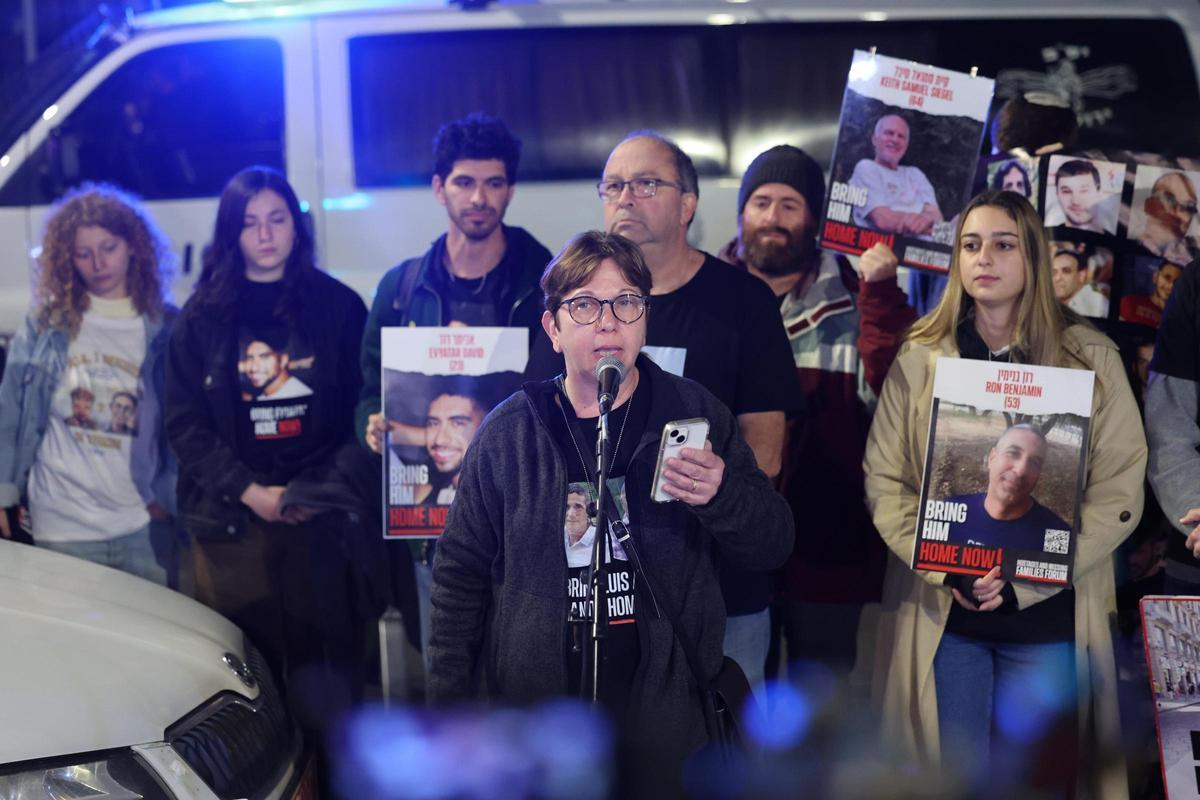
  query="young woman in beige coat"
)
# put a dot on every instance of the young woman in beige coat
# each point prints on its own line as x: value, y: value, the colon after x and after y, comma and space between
x: 1007, y: 651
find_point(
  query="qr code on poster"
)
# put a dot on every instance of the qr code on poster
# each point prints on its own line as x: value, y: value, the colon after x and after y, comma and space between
x: 1056, y: 541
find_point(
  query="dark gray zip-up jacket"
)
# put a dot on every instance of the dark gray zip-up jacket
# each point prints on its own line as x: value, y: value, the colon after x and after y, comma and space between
x: 499, y: 579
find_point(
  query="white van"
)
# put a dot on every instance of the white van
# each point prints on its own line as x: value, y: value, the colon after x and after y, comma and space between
x: 345, y: 97
x: 116, y: 687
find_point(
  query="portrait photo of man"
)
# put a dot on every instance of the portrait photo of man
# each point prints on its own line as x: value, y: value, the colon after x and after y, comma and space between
x: 578, y: 532
x: 1147, y: 308
x: 265, y: 367
x: 1007, y: 514
x: 450, y: 424
x: 123, y: 408
x: 1073, y: 288
x: 1083, y: 194
x: 82, y: 401
x: 1162, y: 213
x: 900, y: 199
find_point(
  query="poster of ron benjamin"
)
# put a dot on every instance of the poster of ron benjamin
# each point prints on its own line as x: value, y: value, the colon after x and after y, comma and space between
x: 1004, y: 470
x: 907, y: 147
x: 438, y: 385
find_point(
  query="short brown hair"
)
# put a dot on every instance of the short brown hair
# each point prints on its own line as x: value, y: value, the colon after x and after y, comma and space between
x: 582, y: 256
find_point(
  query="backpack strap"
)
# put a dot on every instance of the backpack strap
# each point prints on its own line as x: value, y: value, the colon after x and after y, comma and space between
x: 410, y: 270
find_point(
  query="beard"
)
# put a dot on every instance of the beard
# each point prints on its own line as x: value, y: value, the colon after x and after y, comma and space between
x: 480, y: 229
x: 788, y: 257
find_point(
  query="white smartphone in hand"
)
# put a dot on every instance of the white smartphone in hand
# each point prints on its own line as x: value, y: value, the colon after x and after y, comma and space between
x: 677, y: 435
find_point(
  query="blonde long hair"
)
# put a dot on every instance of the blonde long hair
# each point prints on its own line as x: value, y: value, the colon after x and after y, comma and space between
x: 61, y: 296
x: 1041, y: 320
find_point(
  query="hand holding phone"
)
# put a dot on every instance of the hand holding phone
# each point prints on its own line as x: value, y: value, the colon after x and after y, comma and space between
x: 696, y: 480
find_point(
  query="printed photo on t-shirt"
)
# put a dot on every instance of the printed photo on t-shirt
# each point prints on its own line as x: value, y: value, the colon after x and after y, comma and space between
x: 272, y: 366
x: 579, y: 533
x: 81, y: 483
x: 579, y: 536
x: 100, y: 394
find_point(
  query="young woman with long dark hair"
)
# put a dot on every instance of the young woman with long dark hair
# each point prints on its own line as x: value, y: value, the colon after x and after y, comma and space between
x: 263, y: 377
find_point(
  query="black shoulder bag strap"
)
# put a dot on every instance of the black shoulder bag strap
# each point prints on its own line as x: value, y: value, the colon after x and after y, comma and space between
x: 723, y: 696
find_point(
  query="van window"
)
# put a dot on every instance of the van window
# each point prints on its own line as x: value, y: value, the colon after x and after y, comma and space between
x: 727, y: 92
x: 568, y: 94
x: 174, y: 122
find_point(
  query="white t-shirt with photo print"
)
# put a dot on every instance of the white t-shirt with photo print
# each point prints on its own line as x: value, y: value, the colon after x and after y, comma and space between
x: 81, y: 488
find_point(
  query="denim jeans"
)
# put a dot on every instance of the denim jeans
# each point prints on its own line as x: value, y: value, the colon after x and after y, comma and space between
x: 132, y: 553
x: 747, y: 639
x: 424, y: 578
x: 997, y: 701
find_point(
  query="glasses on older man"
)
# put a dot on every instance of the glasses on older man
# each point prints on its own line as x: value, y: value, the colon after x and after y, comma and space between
x: 641, y: 187
x: 625, y: 307
x: 1168, y: 199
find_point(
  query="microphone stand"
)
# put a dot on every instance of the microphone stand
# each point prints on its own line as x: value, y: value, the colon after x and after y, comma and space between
x: 607, y: 518
x: 598, y: 572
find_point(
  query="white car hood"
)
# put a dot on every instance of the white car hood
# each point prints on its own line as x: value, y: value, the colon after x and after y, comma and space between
x: 92, y: 658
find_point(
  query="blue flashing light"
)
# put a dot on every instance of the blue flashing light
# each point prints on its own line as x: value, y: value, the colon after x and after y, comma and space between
x: 304, y: 206
x: 782, y: 720
x: 1047, y: 693
x: 351, y: 202
x: 558, y: 750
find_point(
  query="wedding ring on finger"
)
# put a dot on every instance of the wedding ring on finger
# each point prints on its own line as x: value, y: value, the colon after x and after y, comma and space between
x: 693, y: 485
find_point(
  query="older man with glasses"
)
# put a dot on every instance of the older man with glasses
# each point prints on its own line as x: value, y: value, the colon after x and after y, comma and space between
x: 712, y: 323
x: 1170, y: 208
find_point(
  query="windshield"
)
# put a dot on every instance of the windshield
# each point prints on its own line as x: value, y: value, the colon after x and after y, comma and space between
x: 25, y: 93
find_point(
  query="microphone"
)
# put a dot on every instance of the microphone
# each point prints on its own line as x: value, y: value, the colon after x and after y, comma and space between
x: 609, y: 374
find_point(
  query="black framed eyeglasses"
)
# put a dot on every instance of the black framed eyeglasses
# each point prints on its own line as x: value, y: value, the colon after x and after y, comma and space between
x: 627, y: 308
x: 641, y: 187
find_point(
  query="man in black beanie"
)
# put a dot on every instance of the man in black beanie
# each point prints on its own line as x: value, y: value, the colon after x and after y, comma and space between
x: 844, y: 331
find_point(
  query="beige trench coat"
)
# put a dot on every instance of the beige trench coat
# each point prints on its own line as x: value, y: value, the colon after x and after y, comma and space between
x: 916, y: 604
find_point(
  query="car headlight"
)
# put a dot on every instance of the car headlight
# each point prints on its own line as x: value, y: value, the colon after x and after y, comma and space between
x: 119, y: 776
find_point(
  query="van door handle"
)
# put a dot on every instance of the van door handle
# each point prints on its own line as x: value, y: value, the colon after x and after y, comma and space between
x: 187, y: 259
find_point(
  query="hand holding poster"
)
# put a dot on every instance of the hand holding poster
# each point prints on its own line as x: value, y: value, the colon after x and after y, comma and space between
x: 438, y: 385
x: 905, y: 157
x: 1004, y: 470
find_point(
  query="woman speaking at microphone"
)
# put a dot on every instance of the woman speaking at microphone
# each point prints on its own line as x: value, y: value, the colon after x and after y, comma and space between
x: 505, y: 598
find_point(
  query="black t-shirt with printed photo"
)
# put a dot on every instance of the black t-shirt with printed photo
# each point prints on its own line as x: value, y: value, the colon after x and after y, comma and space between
x: 274, y: 367
x: 576, y: 440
